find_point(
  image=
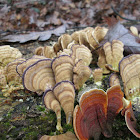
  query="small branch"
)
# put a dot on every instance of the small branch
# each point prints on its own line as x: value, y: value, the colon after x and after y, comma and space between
x: 115, y: 11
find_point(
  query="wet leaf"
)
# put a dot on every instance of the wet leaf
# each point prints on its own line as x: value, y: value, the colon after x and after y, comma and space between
x: 4, y: 10
x: 119, y: 32
x: 41, y: 36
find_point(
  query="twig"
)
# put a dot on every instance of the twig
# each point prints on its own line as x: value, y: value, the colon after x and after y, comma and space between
x: 115, y: 11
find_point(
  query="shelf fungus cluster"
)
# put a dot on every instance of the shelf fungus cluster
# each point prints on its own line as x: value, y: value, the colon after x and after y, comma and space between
x: 110, y: 56
x: 81, y: 74
x: 96, y: 111
x: 59, y: 72
x: 89, y: 37
x: 130, y: 72
x: 127, y: 110
x: 9, y: 79
x: 72, y: 66
x: 8, y: 54
x: 62, y: 95
x: 57, y: 78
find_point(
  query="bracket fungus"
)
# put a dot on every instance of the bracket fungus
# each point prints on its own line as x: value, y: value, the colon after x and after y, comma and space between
x: 8, y: 54
x: 81, y: 74
x: 66, y: 136
x: 134, y: 31
x: 9, y: 78
x: 64, y: 52
x: 96, y: 36
x: 46, y: 51
x: 126, y: 110
x: 83, y: 38
x: 65, y: 93
x: 52, y: 103
x: 129, y: 117
x: 3, y: 81
x: 62, y: 67
x: 53, y: 69
x: 113, y: 80
x: 81, y: 52
x: 115, y: 104
x: 12, y: 75
x: 99, y: 33
x: 102, y: 61
x: 63, y: 42
x: 130, y: 72
x: 96, y: 111
x: 90, y: 37
x: 39, y: 76
x: 23, y: 65
x: 113, y: 54
x: 39, y: 51
x: 80, y: 36
x: 97, y: 76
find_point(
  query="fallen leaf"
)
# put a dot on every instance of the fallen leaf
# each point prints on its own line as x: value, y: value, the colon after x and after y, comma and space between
x: 4, y: 10
x: 118, y: 32
x: 41, y: 36
x: 43, y: 12
x: 54, y: 19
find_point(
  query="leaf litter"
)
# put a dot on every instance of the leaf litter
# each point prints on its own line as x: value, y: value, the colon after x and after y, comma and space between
x: 41, y: 36
x: 86, y: 13
x: 118, y: 32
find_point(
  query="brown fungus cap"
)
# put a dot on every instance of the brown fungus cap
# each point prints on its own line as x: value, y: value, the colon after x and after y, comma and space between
x: 62, y: 67
x: 52, y: 103
x: 66, y: 136
x: 97, y: 76
x: 65, y: 93
x: 113, y: 80
x: 8, y: 54
x: 90, y: 38
x: 63, y: 42
x: 39, y: 51
x: 99, y: 34
x: 130, y: 73
x: 39, y: 76
x: 57, y: 47
x: 86, y: 121
x: 115, y: 104
x: 81, y: 74
x: 134, y: 30
x: 64, y: 52
x: 65, y: 39
x: 83, y: 39
x: 3, y: 81
x: 113, y: 54
x: 49, y: 52
x: 96, y: 112
x: 75, y: 36
x: 11, y: 72
x: 81, y: 52
x: 102, y: 61
x: 46, y: 51
x: 21, y: 67
x: 129, y: 117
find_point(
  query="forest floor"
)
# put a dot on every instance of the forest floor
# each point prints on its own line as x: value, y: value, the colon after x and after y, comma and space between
x: 23, y: 115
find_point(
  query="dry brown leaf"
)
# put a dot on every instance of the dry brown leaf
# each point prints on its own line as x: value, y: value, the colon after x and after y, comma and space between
x: 118, y: 32
x: 41, y: 36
